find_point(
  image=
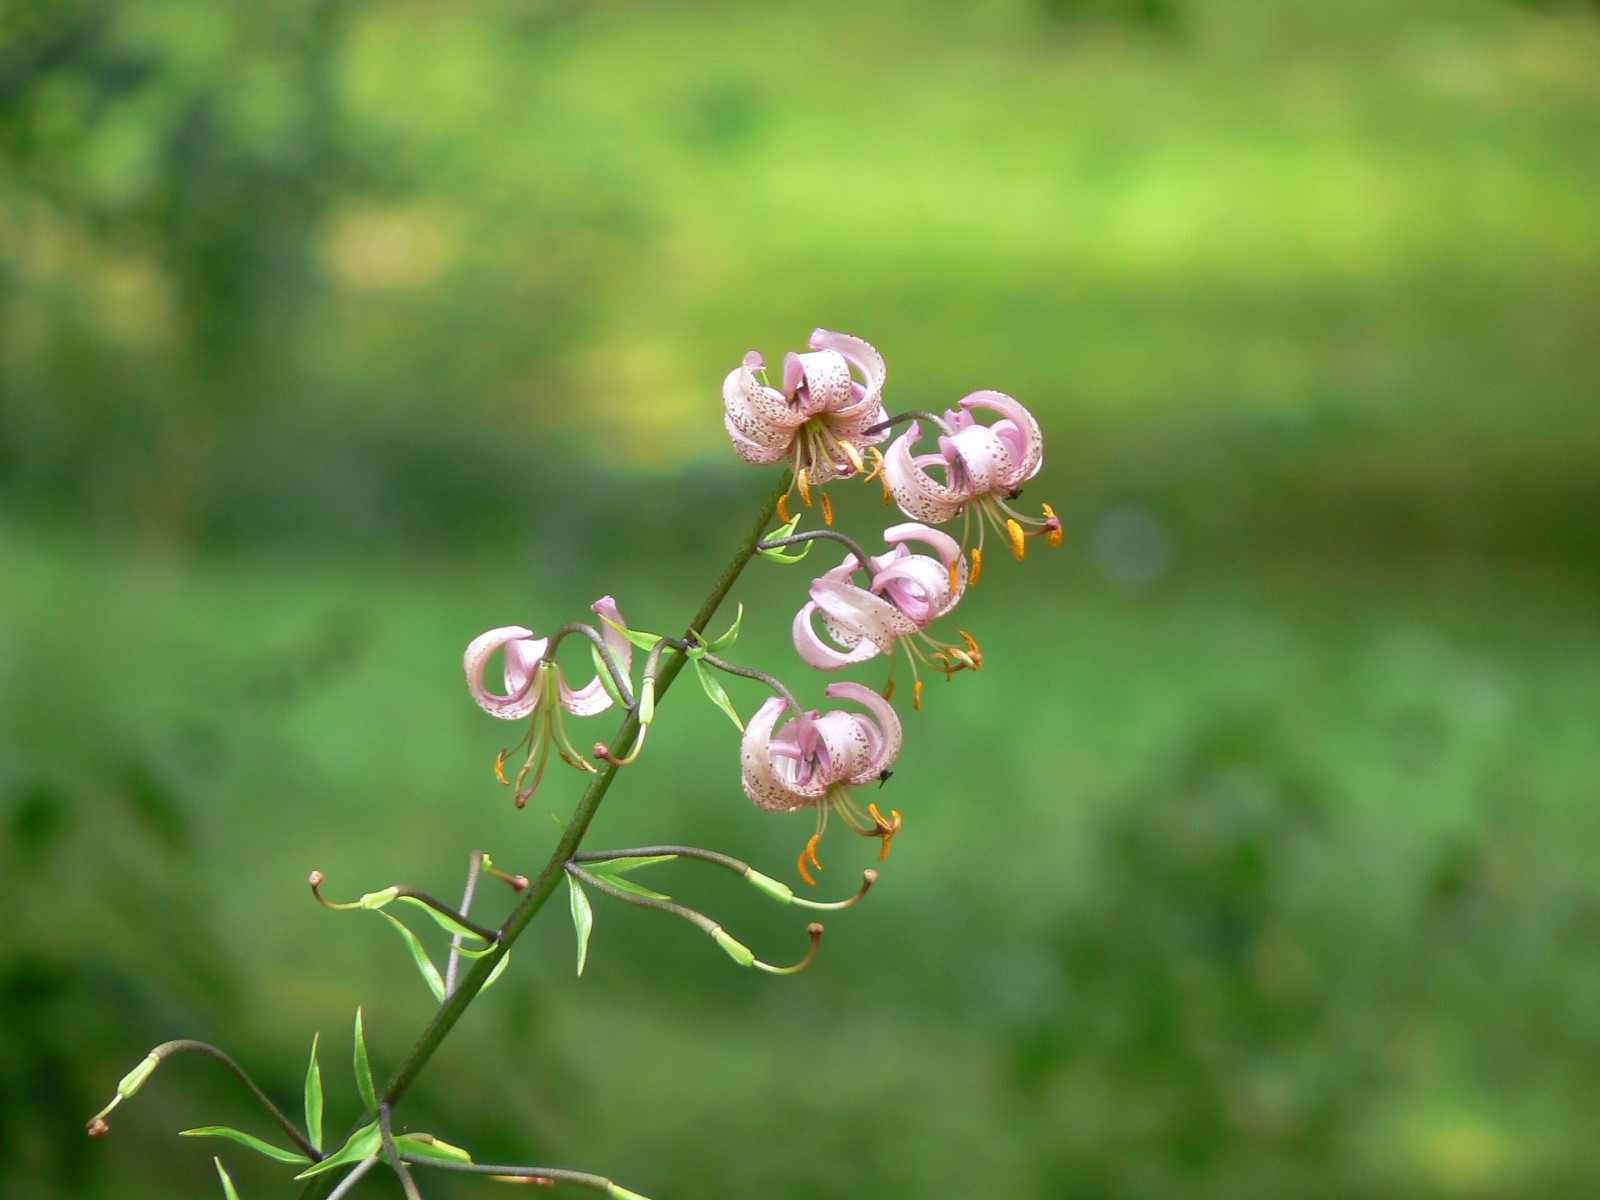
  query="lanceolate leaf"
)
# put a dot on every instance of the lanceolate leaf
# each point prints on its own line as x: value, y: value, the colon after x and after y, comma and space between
x: 641, y: 639
x: 425, y: 1145
x: 430, y: 973
x: 500, y: 966
x: 364, y: 1084
x: 449, y: 924
x: 363, y: 1143
x: 582, y: 920
x: 314, y: 1098
x: 634, y: 889
x: 228, y: 1190
x: 717, y: 693
x: 618, y: 866
x: 245, y: 1139
x: 730, y: 636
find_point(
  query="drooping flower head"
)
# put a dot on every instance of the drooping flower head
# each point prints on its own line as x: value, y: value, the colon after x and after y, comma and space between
x: 906, y: 593
x: 981, y: 468
x: 814, y: 759
x: 536, y: 687
x: 818, y: 422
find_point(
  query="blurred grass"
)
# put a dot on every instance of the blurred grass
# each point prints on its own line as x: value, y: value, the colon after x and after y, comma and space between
x: 1258, y: 858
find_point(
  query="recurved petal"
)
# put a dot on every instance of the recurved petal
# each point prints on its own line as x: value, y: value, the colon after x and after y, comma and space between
x: 850, y: 744
x: 945, y: 546
x: 859, y: 611
x: 592, y: 697
x: 751, y: 401
x: 919, y: 495
x: 759, y: 774
x: 1025, y: 437
x: 826, y: 377
x: 755, y: 453
x: 978, y: 460
x: 861, y: 355
x: 523, y: 654
x: 888, y: 725
x: 817, y: 653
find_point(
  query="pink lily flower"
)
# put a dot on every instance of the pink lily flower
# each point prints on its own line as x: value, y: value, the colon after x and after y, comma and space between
x: 536, y: 687
x: 983, y: 467
x: 906, y: 594
x: 819, y: 421
x: 814, y: 759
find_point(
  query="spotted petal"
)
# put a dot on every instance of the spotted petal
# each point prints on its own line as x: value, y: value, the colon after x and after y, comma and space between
x: 885, y: 742
x: 523, y: 655
x: 760, y: 776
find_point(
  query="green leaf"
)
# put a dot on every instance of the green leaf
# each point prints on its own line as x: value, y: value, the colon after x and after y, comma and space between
x: 363, y: 1143
x: 641, y: 639
x: 779, y: 554
x: 717, y: 694
x: 364, y: 1084
x: 495, y: 974
x: 425, y: 1145
x: 245, y: 1139
x: 604, y: 676
x: 228, y: 1190
x: 447, y: 923
x: 582, y: 920
x: 635, y: 889
x: 314, y: 1098
x: 618, y: 866
x: 732, y: 634
x: 430, y: 973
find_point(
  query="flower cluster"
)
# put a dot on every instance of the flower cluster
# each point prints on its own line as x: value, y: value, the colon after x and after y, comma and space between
x: 823, y: 418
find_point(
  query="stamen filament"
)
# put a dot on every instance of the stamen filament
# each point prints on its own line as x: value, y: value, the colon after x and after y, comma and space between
x: 815, y: 930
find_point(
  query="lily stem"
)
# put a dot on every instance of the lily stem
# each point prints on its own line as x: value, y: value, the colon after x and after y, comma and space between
x: 444, y: 1018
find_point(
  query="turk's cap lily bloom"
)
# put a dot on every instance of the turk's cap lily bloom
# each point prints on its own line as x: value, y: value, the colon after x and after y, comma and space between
x: 980, y: 469
x: 819, y: 421
x: 536, y: 687
x: 813, y: 759
x: 907, y: 593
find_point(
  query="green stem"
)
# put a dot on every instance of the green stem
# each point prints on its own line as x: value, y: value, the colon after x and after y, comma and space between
x: 445, y: 1018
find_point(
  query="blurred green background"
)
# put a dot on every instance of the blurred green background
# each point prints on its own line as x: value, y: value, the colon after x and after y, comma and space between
x: 1261, y: 859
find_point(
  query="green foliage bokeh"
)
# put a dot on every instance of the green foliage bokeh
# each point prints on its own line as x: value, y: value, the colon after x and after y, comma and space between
x: 1258, y: 860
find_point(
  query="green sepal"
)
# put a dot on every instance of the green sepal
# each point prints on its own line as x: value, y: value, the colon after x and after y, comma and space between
x: 363, y: 1143
x: 731, y: 635
x: 641, y: 639
x: 617, y: 1192
x: 425, y: 1145
x: 780, y: 892
x: 246, y: 1140
x: 447, y: 923
x: 376, y: 900
x: 430, y: 973
x: 735, y: 949
x: 716, y: 693
x: 314, y: 1098
x: 363, y: 1068
x: 229, y: 1192
x: 582, y: 920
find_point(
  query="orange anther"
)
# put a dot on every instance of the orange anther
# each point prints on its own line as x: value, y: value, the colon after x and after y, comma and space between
x: 853, y: 455
x: 888, y: 690
x: 1052, y: 525
x: 827, y: 508
x: 887, y: 828
x: 803, y: 485
x: 810, y: 852
x: 977, y: 566
x: 916, y: 696
x: 500, y: 767
x: 783, y: 509
x: 1018, y: 546
x: 955, y: 575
